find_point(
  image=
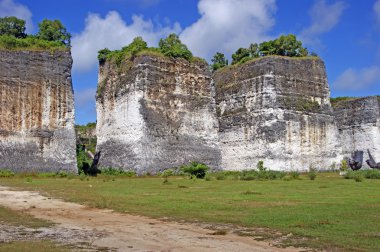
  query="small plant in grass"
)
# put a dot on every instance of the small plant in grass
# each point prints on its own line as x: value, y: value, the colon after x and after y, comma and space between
x: 195, y: 169
x: 6, y: 173
x: 208, y: 177
x: 220, y: 176
x: 167, y: 173
x: 294, y: 174
x: 312, y: 172
x: 343, y: 167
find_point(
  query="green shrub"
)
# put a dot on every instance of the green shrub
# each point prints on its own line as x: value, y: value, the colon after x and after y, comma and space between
x: 294, y: 174
x: 312, y: 173
x: 371, y: 174
x: 343, y: 165
x: 167, y: 173
x: 6, y: 173
x: 195, y: 169
x: 173, y: 47
x: 368, y: 174
x: 110, y: 171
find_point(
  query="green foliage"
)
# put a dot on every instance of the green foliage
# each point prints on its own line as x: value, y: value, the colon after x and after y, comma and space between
x: 167, y: 173
x: 337, y: 100
x: 218, y: 61
x: 170, y: 46
x: 52, y: 35
x: 173, y: 47
x: 285, y: 45
x: 30, y: 42
x: 312, y: 173
x: 117, y: 172
x: 53, y: 30
x: 82, y: 159
x: 12, y: 26
x: 361, y: 174
x: 344, y: 165
x: 195, y: 169
x: 6, y: 173
x: 240, y: 54
x: 294, y: 174
x: 307, y: 105
x: 103, y: 54
x: 129, y: 51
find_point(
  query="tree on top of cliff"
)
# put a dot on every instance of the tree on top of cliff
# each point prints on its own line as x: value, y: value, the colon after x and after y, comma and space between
x: 137, y: 45
x: 12, y: 26
x: 129, y: 51
x: 218, y: 61
x: 54, y: 30
x: 285, y: 45
x: 173, y: 47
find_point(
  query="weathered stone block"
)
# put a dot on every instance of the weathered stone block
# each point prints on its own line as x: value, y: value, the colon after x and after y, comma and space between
x: 358, y: 122
x: 155, y: 113
x: 36, y: 111
x: 276, y: 109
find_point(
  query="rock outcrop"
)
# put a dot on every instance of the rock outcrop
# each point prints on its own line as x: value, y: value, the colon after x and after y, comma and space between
x: 36, y: 111
x: 358, y: 122
x: 277, y: 110
x: 155, y: 113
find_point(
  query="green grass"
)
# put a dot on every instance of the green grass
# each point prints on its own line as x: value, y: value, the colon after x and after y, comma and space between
x: 332, y: 212
x: 17, y: 218
x: 30, y: 246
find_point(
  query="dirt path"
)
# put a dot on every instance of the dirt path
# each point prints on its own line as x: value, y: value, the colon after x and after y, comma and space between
x: 123, y: 232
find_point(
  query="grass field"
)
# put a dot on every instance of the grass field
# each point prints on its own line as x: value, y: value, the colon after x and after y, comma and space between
x: 331, y: 212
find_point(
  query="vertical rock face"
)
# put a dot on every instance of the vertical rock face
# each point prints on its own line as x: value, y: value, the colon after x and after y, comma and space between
x: 36, y: 111
x: 359, y: 126
x: 276, y: 109
x: 155, y: 113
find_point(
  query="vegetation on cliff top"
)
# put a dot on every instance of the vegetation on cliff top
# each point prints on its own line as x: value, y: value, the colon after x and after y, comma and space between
x: 285, y: 45
x: 170, y: 46
x: 52, y: 34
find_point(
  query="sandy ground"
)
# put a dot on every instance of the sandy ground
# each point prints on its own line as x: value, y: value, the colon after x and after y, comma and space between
x: 123, y: 232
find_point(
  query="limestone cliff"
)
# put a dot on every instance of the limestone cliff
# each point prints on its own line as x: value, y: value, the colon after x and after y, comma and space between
x: 155, y: 113
x: 276, y: 109
x: 36, y: 111
x: 359, y: 126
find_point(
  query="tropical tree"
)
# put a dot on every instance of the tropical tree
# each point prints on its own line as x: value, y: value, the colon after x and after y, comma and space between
x: 12, y: 26
x: 240, y: 54
x: 172, y: 46
x: 53, y: 30
x: 218, y: 61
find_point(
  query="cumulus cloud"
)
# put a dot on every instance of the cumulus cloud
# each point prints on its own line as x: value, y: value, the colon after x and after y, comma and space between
x: 112, y: 32
x: 226, y: 25
x: 324, y: 18
x: 352, y: 79
x: 12, y: 8
x: 376, y: 8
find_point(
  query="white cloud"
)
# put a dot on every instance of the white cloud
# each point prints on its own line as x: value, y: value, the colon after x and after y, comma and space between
x: 352, y: 79
x: 376, y: 8
x: 11, y: 8
x: 324, y: 18
x: 85, y: 97
x: 226, y: 25
x: 112, y: 32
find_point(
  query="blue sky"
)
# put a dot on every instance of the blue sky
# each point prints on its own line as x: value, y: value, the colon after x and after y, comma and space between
x: 345, y: 33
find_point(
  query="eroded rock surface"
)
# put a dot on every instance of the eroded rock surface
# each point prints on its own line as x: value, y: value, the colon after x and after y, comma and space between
x: 36, y: 111
x: 359, y: 126
x: 155, y: 113
x: 276, y: 109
